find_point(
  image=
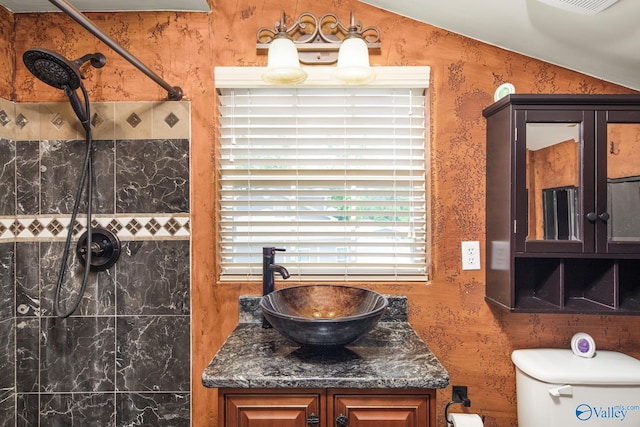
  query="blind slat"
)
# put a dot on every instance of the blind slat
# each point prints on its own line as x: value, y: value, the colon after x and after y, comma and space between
x: 336, y: 176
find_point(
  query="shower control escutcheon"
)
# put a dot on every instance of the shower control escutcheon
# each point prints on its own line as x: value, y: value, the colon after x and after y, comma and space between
x: 105, y: 249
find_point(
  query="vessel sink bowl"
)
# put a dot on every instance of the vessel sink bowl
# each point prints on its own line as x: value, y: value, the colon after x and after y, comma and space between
x: 323, y: 315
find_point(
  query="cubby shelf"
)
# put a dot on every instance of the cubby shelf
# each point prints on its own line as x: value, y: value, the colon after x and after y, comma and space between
x: 593, y: 265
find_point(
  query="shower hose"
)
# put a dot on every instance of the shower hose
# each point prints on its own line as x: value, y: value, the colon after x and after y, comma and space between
x: 87, y: 172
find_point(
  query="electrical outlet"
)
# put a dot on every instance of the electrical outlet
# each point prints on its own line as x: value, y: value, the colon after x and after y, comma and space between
x: 471, y: 255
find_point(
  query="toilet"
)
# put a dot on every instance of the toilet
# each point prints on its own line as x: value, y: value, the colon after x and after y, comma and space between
x: 556, y: 388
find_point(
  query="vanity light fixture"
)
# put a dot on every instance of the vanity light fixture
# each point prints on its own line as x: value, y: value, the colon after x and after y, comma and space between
x: 322, y: 41
x: 353, y: 58
x: 283, y: 66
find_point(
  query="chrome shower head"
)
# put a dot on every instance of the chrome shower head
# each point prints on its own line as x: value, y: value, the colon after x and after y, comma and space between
x: 57, y: 71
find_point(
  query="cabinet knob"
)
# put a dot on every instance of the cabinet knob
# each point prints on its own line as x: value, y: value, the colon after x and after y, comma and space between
x: 604, y: 216
x: 313, y: 420
x: 342, y: 421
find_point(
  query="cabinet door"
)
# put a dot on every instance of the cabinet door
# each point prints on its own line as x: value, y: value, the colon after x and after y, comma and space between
x: 616, y: 215
x: 270, y: 409
x: 554, y: 184
x: 379, y: 410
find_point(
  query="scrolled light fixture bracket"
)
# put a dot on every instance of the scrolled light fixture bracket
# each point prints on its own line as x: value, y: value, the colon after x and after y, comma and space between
x: 318, y: 40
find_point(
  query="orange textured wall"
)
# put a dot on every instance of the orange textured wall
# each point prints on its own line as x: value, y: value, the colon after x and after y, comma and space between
x: 473, y: 340
x: 7, y: 54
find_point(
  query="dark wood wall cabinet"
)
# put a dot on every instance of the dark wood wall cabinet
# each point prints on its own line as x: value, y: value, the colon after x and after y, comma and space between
x: 326, y: 408
x: 563, y: 203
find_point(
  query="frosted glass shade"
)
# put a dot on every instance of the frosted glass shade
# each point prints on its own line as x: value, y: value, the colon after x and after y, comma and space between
x: 353, y: 62
x: 283, y: 65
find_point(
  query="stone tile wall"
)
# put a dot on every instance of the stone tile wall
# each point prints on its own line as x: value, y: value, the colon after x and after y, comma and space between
x: 123, y: 358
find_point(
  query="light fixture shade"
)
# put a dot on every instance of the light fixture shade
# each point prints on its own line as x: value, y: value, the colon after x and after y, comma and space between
x: 283, y: 65
x: 353, y: 62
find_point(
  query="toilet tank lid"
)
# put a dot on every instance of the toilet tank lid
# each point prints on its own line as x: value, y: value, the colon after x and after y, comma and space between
x: 561, y: 366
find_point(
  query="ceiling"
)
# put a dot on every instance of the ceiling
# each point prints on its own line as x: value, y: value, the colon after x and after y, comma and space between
x: 605, y: 45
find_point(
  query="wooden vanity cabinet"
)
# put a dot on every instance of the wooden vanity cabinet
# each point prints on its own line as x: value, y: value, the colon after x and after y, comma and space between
x: 563, y: 203
x: 272, y: 408
x: 326, y: 408
x: 382, y: 408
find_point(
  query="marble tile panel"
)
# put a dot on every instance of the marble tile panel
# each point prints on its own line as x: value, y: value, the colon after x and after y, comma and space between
x: 133, y: 120
x: 154, y: 353
x: 7, y: 408
x: 27, y: 410
x: 27, y: 176
x: 27, y: 284
x: 153, y: 278
x: 152, y: 176
x: 61, y: 168
x: 7, y: 354
x: 171, y: 120
x: 7, y: 275
x: 154, y: 409
x: 104, y: 169
x: 99, y: 295
x: 77, y: 354
x: 28, y: 355
x: 78, y: 410
x: 7, y: 177
x: 7, y: 119
x: 59, y: 121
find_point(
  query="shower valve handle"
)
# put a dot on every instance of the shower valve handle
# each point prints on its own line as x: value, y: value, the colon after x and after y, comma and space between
x: 105, y: 249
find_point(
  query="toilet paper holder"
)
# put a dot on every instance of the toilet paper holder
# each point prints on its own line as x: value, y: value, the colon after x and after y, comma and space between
x: 458, y: 396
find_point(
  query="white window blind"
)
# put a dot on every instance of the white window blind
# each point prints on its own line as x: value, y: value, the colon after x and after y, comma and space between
x: 335, y: 176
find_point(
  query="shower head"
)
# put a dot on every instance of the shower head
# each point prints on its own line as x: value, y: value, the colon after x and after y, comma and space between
x: 57, y: 71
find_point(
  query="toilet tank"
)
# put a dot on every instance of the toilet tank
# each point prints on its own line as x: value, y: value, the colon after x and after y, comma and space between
x: 556, y: 388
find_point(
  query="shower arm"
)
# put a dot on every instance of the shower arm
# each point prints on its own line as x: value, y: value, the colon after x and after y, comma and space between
x: 175, y: 92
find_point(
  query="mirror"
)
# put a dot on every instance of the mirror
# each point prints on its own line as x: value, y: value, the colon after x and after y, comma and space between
x: 623, y: 181
x: 553, y: 180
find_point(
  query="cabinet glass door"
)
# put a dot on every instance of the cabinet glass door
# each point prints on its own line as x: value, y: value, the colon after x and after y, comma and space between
x: 552, y: 204
x: 621, y: 213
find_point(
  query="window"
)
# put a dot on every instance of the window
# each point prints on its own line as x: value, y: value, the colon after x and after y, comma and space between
x: 337, y: 176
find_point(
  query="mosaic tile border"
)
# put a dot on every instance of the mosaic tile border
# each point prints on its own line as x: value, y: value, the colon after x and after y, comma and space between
x: 22, y: 121
x: 126, y: 226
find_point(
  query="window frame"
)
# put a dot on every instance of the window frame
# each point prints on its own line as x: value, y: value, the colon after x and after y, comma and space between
x: 320, y: 77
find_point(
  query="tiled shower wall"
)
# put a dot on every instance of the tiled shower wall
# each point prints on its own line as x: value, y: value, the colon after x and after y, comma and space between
x: 123, y: 358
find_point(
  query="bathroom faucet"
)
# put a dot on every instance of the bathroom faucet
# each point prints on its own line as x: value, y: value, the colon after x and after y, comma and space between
x: 268, y: 269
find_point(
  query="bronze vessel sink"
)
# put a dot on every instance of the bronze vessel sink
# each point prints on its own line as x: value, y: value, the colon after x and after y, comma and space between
x: 323, y: 315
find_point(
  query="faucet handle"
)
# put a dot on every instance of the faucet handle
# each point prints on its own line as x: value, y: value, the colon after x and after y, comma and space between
x: 270, y: 250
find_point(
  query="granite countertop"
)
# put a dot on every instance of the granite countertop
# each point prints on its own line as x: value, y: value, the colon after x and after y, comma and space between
x: 392, y: 355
